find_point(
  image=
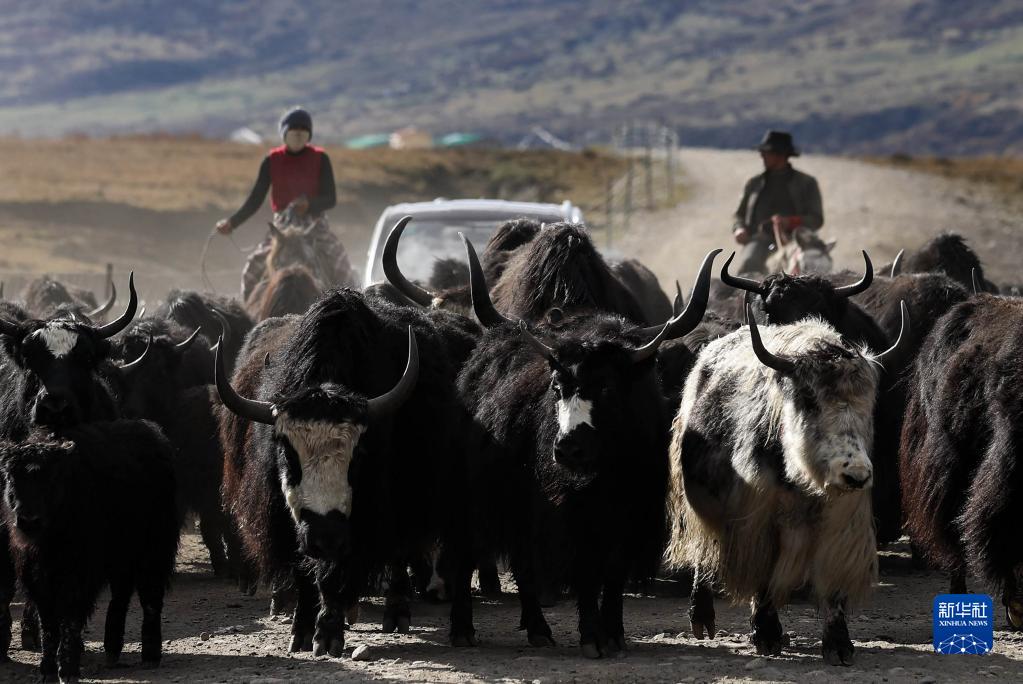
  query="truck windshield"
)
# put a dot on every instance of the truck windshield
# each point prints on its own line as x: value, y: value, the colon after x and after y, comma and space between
x: 426, y: 241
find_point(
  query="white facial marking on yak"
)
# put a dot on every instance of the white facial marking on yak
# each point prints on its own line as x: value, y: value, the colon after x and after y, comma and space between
x: 324, y: 451
x: 786, y: 454
x: 59, y: 339
x: 573, y: 412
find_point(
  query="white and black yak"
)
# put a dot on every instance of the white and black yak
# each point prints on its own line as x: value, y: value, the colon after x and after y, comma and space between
x: 341, y: 467
x: 962, y: 477
x: 568, y: 456
x: 771, y: 475
x: 90, y: 509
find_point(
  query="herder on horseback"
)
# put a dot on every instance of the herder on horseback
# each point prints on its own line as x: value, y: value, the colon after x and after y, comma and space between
x: 300, y: 180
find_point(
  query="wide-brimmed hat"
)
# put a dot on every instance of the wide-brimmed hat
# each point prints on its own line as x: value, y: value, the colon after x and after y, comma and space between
x: 779, y: 142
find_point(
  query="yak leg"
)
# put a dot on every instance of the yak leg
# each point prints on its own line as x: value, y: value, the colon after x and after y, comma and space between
x: 117, y: 610
x: 305, y: 613
x: 591, y: 633
x: 490, y: 582
x: 211, y: 527
x: 836, y: 646
x: 397, y: 614
x: 29, y: 627
x: 69, y: 650
x: 151, y: 591
x: 611, y: 612
x: 532, y: 620
x: 766, y: 635
x: 1013, y: 602
x: 282, y: 595
x: 463, y: 633
x: 50, y: 641
x: 329, y: 637
x: 701, y: 607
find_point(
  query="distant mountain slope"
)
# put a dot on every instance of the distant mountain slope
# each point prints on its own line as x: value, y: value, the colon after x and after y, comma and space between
x: 930, y: 76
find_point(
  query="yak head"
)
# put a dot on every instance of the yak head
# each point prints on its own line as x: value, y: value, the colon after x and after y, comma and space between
x: 33, y: 482
x: 820, y: 401
x: 59, y: 360
x: 789, y: 298
x: 315, y: 433
x: 291, y: 245
x: 155, y: 375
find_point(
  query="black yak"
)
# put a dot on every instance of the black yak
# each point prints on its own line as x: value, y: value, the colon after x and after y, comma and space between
x: 92, y: 508
x: 959, y: 460
x: 568, y: 456
x: 341, y: 468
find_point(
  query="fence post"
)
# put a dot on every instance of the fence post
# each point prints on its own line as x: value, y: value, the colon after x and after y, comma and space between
x: 669, y: 161
x: 609, y: 208
x: 108, y: 286
x: 648, y: 163
x: 628, y: 195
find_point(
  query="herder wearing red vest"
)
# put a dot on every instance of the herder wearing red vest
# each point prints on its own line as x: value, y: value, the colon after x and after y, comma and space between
x: 300, y: 180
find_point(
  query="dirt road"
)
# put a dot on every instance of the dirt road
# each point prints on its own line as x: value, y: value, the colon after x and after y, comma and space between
x: 215, y: 635
x: 866, y: 206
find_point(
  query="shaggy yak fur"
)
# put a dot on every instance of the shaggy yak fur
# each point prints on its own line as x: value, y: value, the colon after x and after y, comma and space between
x: 949, y: 254
x: 565, y: 457
x: 962, y: 476
x: 90, y: 509
x: 327, y: 496
x: 291, y: 290
x: 770, y: 471
x: 783, y: 300
x: 159, y: 384
x: 209, y: 313
x: 44, y: 296
x: 644, y: 286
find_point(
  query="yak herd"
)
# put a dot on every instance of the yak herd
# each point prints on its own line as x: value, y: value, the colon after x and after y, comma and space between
x: 534, y: 404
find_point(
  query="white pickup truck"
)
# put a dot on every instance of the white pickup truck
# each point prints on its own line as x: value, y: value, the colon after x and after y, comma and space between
x: 433, y: 232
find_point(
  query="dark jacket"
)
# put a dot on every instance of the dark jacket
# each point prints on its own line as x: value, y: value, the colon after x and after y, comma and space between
x: 804, y: 194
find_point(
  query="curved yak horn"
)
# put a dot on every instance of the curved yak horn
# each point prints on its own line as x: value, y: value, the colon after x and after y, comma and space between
x: 129, y: 368
x: 747, y: 306
x: 650, y: 348
x: 225, y: 326
x: 894, y: 355
x: 862, y: 284
x: 482, y: 306
x: 185, y: 344
x: 738, y: 282
x: 250, y: 409
x: 391, y: 401
x: 686, y: 322
x: 119, y: 324
x: 541, y: 348
x: 106, y: 306
x: 389, y: 260
x: 897, y: 264
x: 977, y: 289
x: 680, y: 302
x: 777, y: 363
x: 11, y: 329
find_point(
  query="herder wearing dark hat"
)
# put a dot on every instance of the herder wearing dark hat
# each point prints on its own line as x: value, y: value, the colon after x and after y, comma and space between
x: 300, y: 179
x: 781, y: 198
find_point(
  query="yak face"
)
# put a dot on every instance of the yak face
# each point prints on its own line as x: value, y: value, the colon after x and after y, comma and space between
x: 587, y: 383
x: 826, y: 412
x: 788, y: 299
x: 32, y: 483
x: 316, y: 435
x: 60, y: 358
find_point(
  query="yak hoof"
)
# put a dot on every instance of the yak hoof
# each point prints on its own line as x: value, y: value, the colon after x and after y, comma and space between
x: 591, y: 651
x: 767, y: 646
x: 465, y: 640
x: 1014, y: 614
x: 616, y: 646
x: 112, y: 660
x: 541, y: 640
x: 389, y: 624
x: 301, y: 642
x: 352, y: 614
x: 839, y: 655
x: 703, y: 630
x: 402, y: 624
x: 332, y: 646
